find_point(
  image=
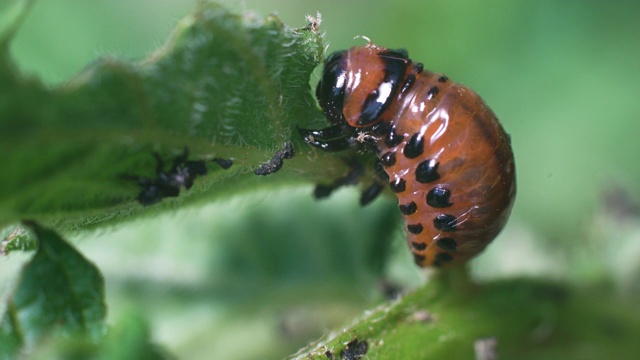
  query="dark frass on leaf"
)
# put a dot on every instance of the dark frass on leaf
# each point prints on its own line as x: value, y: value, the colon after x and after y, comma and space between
x: 223, y: 163
x: 276, y: 162
x: 224, y: 83
x: 182, y: 173
x: 355, y: 350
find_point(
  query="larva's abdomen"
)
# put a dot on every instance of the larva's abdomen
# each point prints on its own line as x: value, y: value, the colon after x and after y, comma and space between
x: 457, y: 168
x: 446, y: 155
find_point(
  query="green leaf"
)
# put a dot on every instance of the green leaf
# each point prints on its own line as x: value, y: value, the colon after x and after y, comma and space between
x: 12, y: 12
x: 130, y: 339
x: 224, y: 85
x: 59, y: 291
x: 526, y: 319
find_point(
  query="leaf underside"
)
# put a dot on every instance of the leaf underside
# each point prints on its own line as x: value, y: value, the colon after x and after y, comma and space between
x: 224, y: 85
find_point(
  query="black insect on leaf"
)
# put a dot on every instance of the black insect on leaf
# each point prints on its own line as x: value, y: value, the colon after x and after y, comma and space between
x: 276, y: 162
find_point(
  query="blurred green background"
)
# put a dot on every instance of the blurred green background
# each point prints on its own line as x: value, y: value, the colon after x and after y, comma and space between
x: 563, y: 77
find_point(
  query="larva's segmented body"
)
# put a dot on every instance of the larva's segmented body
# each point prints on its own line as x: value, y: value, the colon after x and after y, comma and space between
x: 447, y: 157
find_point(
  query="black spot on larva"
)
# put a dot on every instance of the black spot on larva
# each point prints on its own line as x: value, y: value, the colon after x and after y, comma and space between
x: 446, y: 244
x: 438, y: 197
x: 371, y: 109
x: 411, y: 79
x: 408, y: 209
x: 418, y: 67
x: 393, y: 139
x: 388, y: 159
x: 445, y: 222
x: 331, y: 88
x: 432, y: 92
x: 443, y: 257
x: 443, y: 79
x: 419, y: 245
x: 415, y: 228
x: 427, y: 171
x: 418, y: 259
x: 381, y: 128
x: 414, y: 147
x: 398, y: 186
x: 379, y: 100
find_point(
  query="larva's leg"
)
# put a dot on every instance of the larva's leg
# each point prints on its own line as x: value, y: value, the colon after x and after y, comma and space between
x: 380, y: 182
x: 333, y: 138
x: 371, y: 193
x: 356, y: 170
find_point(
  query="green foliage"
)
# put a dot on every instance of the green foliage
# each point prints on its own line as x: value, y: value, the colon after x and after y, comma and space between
x: 130, y: 339
x: 59, y: 291
x: 224, y: 85
x: 236, y: 86
x: 62, y: 293
x: 528, y: 319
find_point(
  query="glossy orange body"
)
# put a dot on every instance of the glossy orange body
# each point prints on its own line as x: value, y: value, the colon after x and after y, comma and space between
x: 448, y: 159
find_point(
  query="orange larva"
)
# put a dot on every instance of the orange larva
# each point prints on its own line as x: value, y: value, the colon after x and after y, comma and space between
x: 448, y: 159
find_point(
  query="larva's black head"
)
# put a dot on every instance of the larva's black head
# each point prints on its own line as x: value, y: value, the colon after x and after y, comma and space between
x: 360, y: 84
x: 330, y: 90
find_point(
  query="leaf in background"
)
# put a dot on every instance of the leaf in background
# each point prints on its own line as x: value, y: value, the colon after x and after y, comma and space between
x: 58, y: 291
x: 130, y: 340
x: 12, y: 12
x: 224, y: 85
